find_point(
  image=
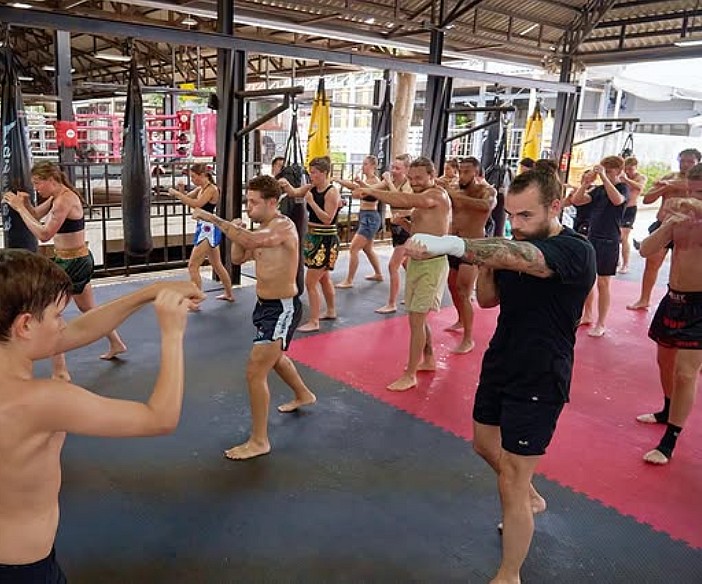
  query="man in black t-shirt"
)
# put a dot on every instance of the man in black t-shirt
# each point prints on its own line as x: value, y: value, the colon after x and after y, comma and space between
x: 540, y: 280
x: 606, y: 210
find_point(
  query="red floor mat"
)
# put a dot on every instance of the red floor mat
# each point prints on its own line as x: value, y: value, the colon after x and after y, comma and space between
x: 598, y: 446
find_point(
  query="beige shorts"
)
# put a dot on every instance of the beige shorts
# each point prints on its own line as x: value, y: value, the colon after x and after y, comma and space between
x: 425, y: 283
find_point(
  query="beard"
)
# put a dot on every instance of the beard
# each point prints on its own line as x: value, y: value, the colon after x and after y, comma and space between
x: 541, y: 232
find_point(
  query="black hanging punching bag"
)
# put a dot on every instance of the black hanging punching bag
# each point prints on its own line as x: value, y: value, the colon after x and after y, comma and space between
x: 16, y: 158
x: 136, y: 180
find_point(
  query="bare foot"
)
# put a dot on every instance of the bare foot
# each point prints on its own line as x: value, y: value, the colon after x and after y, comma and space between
x: 375, y: 278
x: 623, y: 270
x: 247, y: 450
x: 405, y: 382
x: 637, y: 306
x: 464, y: 347
x: 596, y: 331
x: 114, y: 351
x: 226, y: 297
x: 194, y: 307
x: 586, y: 320
x: 538, y: 505
x: 455, y: 327
x: 648, y: 419
x: 328, y: 316
x: 308, y: 327
x: 501, y: 580
x: 387, y: 309
x: 297, y: 403
x: 344, y: 284
x: 61, y: 376
x: 427, y: 364
x: 656, y: 457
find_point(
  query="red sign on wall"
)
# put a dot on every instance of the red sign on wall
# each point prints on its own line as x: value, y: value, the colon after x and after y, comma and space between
x: 66, y: 133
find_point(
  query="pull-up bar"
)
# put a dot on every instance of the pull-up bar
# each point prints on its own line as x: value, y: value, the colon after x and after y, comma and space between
x: 286, y: 92
x: 481, y: 109
x: 470, y: 131
x: 623, y: 121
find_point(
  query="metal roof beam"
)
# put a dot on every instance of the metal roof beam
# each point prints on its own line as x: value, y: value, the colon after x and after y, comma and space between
x: 680, y: 15
x: 57, y: 20
x: 584, y: 24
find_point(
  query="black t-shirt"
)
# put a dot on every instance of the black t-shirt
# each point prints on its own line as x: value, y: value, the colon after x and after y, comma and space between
x: 531, y: 353
x: 605, y: 218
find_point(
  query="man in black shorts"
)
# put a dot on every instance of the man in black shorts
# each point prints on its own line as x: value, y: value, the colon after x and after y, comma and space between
x: 677, y: 325
x: 540, y: 280
x: 274, y: 246
x: 606, y: 208
x: 664, y: 189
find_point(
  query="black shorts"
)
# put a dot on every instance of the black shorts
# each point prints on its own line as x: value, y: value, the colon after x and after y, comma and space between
x: 677, y: 323
x: 399, y: 235
x: 606, y: 255
x: 655, y: 225
x: 455, y: 263
x: 46, y: 571
x: 629, y: 217
x: 526, y: 424
x: 276, y: 319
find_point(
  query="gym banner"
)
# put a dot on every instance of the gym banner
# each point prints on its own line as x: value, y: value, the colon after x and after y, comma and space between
x: 16, y: 171
x: 318, y: 135
x: 205, y: 126
x: 136, y: 180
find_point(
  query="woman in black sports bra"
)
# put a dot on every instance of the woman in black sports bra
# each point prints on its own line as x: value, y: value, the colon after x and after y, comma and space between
x: 321, y: 244
x: 369, y: 223
x: 208, y: 237
x: 62, y: 206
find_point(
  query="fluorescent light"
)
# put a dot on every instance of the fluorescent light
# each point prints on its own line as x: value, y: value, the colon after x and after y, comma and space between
x: 528, y: 30
x: 688, y: 43
x: 20, y: 5
x: 52, y: 68
x: 189, y: 21
x: 24, y: 78
x: 370, y: 20
x: 106, y: 56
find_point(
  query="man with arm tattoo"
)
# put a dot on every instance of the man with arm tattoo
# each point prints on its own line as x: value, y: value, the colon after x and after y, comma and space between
x: 540, y: 281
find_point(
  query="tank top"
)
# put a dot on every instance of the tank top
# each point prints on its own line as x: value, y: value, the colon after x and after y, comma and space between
x: 319, y: 199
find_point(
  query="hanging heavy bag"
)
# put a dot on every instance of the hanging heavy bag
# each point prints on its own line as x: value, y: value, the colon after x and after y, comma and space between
x: 16, y: 157
x: 295, y: 174
x: 136, y: 181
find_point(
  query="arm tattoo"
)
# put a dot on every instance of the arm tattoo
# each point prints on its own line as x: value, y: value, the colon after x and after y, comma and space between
x: 519, y: 256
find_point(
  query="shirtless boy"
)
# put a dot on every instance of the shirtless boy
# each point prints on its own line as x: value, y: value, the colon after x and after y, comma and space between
x: 274, y: 247
x: 36, y: 414
x: 424, y: 287
x: 636, y: 182
x: 472, y: 204
x: 677, y: 325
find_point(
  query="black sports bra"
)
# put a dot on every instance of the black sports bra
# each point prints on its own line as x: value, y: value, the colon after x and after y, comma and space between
x: 72, y: 225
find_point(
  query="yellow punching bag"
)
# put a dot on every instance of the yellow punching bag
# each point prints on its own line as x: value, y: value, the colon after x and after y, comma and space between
x: 318, y: 135
x: 531, y: 142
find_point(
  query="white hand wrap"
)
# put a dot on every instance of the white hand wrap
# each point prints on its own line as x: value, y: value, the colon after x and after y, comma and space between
x: 437, y: 246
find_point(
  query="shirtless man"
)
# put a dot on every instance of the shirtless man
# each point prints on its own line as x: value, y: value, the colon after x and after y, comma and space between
x: 636, y: 182
x: 274, y: 247
x: 424, y: 287
x: 677, y: 324
x: 662, y: 189
x: 396, y: 180
x: 472, y: 205
x: 36, y: 414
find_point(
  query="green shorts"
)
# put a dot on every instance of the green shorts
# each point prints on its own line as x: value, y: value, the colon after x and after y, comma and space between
x: 79, y: 270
